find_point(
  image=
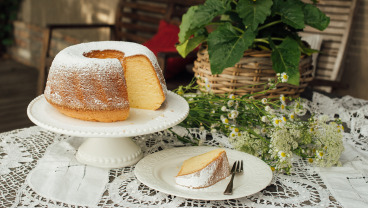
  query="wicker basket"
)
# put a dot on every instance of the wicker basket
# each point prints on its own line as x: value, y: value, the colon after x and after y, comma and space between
x: 249, y: 75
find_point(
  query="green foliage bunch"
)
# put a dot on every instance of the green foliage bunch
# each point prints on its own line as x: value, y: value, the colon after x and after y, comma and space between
x: 8, y: 13
x: 229, y: 27
x: 273, y: 130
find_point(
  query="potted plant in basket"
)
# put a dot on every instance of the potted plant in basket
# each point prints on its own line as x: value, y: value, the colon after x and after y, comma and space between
x: 231, y: 27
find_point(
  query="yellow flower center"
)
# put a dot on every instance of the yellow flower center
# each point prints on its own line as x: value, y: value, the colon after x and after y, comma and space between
x: 285, y: 76
x: 310, y: 160
x: 292, y: 116
x: 320, y: 154
x: 283, y: 154
x: 236, y: 130
x: 272, y: 168
x: 283, y: 118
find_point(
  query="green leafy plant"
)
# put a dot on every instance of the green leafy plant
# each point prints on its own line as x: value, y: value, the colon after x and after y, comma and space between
x: 230, y: 27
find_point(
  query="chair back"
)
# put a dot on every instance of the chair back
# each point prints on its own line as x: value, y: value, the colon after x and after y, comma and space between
x: 138, y: 20
x: 334, y: 38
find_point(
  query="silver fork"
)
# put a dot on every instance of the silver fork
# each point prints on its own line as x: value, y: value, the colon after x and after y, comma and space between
x: 237, y: 168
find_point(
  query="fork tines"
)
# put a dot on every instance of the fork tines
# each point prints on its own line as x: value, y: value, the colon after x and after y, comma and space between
x: 241, y: 168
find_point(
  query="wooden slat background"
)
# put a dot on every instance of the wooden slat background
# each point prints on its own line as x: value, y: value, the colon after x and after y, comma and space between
x: 355, y: 68
x: 335, y: 37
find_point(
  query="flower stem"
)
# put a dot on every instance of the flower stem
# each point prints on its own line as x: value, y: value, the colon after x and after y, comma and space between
x: 269, y: 25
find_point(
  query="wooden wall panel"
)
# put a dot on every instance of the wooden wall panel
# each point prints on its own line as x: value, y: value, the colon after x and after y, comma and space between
x: 355, y: 68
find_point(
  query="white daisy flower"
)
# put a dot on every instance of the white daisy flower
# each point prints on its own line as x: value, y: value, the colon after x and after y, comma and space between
x: 282, y: 155
x: 284, y: 77
x: 272, y: 112
x: 268, y: 108
x: 207, y: 84
x: 234, y: 113
x: 319, y: 154
x: 230, y: 103
x: 264, y: 119
x: 282, y: 107
x: 235, y: 133
x: 225, y: 121
x: 223, y: 108
x: 263, y: 131
x: 232, y: 96
x: 276, y: 121
x: 292, y: 116
x: 264, y: 100
x: 283, y: 119
x: 282, y: 99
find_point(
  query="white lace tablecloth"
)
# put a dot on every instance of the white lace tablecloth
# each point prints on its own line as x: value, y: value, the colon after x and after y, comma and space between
x: 38, y: 169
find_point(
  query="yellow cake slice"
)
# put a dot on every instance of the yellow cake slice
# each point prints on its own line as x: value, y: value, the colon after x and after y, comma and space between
x: 204, y: 170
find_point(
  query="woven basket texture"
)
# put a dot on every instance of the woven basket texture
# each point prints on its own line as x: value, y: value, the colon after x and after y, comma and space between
x: 249, y: 76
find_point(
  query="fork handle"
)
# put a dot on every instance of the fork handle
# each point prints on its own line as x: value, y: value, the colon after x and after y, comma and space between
x: 229, y: 188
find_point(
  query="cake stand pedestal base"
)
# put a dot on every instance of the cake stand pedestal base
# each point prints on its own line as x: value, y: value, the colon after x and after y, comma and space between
x: 111, y: 152
x: 109, y: 145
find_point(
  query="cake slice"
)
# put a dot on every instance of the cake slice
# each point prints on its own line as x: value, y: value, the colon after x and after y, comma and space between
x: 204, y: 170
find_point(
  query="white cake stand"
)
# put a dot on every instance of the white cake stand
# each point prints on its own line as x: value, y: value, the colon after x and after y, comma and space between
x: 109, y: 145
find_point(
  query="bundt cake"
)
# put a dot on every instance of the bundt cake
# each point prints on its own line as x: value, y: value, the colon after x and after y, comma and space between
x: 204, y: 170
x: 100, y: 81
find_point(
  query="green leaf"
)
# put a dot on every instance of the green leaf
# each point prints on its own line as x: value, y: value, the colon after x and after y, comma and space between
x: 184, y: 48
x: 226, y: 46
x: 201, y: 15
x: 254, y: 13
x: 187, y: 24
x: 315, y: 17
x: 291, y: 12
x: 306, y: 49
x: 189, y: 45
x: 285, y: 58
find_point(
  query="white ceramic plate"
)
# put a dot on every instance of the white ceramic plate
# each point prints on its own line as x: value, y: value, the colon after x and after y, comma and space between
x: 174, y: 110
x: 158, y: 172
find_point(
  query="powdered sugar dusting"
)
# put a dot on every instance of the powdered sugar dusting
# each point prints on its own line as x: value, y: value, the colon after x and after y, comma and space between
x: 211, y: 174
x: 71, y: 69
